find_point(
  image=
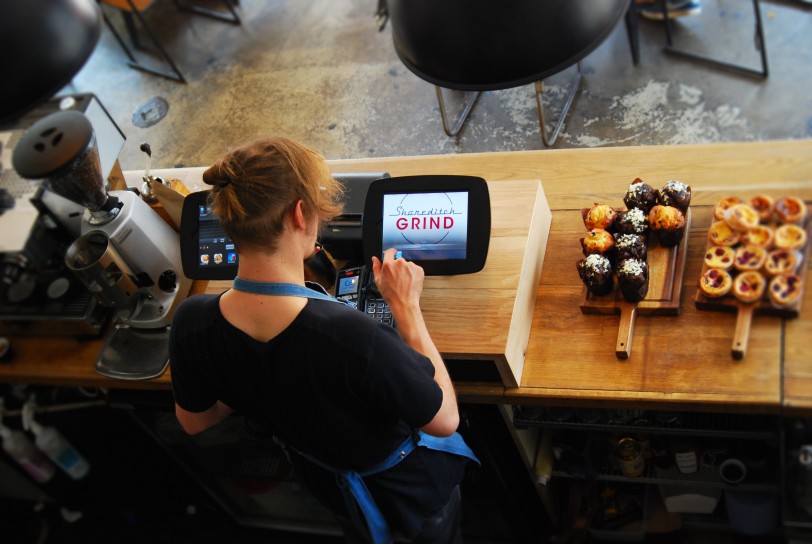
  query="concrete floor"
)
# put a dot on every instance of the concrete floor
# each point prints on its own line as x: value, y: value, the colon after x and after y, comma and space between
x: 320, y: 72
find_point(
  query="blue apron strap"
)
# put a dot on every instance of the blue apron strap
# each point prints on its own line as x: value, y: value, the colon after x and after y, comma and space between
x: 280, y: 289
x: 449, y: 444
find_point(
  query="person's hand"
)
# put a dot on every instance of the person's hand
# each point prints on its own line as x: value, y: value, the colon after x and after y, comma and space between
x: 399, y: 281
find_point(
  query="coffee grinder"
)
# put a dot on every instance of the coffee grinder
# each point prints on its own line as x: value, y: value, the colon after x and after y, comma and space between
x: 126, y: 255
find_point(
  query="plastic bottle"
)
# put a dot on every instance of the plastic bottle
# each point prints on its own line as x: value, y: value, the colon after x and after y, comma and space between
x: 60, y: 451
x: 20, y: 448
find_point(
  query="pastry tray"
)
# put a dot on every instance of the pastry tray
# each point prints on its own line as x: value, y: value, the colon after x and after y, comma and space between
x: 666, y: 267
x: 745, y: 310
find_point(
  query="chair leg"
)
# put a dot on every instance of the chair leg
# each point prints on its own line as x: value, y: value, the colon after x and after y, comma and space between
x: 214, y: 14
x: 633, y: 33
x: 760, y: 44
x: 175, y: 75
x: 469, y: 104
x: 550, y: 140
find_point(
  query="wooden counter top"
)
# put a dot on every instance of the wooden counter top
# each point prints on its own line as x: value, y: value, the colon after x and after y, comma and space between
x: 681, y: 362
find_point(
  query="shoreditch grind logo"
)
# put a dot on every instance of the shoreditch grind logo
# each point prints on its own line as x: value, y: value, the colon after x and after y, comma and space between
x: 425, y: 219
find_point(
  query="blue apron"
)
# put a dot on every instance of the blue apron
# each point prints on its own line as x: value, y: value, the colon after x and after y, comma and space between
x: 350, y: 481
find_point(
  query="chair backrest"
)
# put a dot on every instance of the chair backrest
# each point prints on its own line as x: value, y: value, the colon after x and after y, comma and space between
x: 498, y: 44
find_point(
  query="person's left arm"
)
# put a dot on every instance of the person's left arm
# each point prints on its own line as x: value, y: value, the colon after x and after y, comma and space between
x: 197, y: 422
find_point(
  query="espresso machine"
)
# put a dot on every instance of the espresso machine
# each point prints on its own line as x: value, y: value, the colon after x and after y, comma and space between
x: 125, y: 254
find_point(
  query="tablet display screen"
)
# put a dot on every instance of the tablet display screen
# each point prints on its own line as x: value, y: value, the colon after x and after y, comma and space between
x: 215, y: 248
x: 426, y: 226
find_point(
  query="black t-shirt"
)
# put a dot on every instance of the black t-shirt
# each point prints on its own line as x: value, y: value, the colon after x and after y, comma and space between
x: 334, y: 384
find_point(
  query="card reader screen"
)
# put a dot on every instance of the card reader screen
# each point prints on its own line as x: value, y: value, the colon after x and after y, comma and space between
x: 426, y: 226
x: 347, y: 286
x: 215, y: 248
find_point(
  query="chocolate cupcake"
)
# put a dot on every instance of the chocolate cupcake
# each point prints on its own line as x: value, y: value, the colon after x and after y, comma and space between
x: 632, y: 277
x: 675, y: 194
x: 632, y: 221
x: 600, y: 242
x: 668, y: 223
x: 596, y: 273
x: 640, y: 195
x: 630, y: 246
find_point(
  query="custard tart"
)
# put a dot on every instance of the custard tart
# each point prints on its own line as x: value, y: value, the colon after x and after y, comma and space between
x: 723, y: 205
x: 760, y: 235
x: 715, y: 283
x: 763, y: 204
x: 719, y: 257
x: 741, y: 217
x: 790, y: 237
x: 722, y: 234
x: 781, y: 261
x: 790, y: 209
x: 749, y: 258
x: 749, y: 286
x: 785, y: 290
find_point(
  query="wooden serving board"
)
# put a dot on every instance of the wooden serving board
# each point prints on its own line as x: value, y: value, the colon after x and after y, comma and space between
x: 666, y: 266
x: 745, y: 311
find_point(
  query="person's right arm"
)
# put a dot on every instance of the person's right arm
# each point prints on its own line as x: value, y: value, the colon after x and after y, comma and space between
x: 400, y: 282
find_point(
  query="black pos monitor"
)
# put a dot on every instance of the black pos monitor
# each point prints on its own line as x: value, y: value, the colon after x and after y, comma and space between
x: 442, y: 222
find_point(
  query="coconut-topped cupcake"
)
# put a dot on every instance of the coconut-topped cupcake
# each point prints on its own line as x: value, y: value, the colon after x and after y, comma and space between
x: 640, y: 195
x: 596, y: 273
x: 675, y: 194
x: 632, y: 277
x: 632, y: 221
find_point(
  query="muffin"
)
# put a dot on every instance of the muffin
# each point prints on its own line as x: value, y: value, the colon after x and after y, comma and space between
x: 715, y: 283
x: 789, y: 237
x: 722, y: 234
x: 749, y: 286
x: 640, y: 195
x: 675, y: 194
x: 632, y: 221
x: 632, y: 277
x: 760, y: 235
x: 749, y: 258
x: 741, y: 217
x: 600, y: 242
x: 600, y: 216
x: 763, y: 204
x: 781, y: 261
x: 630, y: 246
x: 722, y: 206
x: 668, y: 223
x: 790, y: 209
x: 719, y: 257
x: 784, y: 290
x: 596, y: 273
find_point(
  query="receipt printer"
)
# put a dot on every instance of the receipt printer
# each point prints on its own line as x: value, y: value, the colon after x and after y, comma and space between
x: 342, y: 236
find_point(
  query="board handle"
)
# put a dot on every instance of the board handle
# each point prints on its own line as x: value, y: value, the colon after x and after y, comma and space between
x: 628, y: 315
x: 743, y: 320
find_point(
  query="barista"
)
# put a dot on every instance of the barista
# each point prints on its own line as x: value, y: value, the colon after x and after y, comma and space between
x: 341, y: 391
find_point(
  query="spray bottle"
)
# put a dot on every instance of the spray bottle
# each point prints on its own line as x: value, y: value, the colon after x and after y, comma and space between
x: 17, y: 445
x: 55, y: 446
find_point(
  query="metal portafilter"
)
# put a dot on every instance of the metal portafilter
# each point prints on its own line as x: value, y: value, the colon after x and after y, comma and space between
x: 97, y: 263
x: 61, y: 150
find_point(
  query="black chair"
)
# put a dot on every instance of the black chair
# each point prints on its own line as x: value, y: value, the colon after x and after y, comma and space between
x: 486, y: 45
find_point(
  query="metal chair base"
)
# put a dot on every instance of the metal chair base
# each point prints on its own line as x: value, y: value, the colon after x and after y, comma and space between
x: 469, y: 105
x: 174, y: 75
x: 547, y: 140
x: 213, y: 13
x: 760, y: 45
